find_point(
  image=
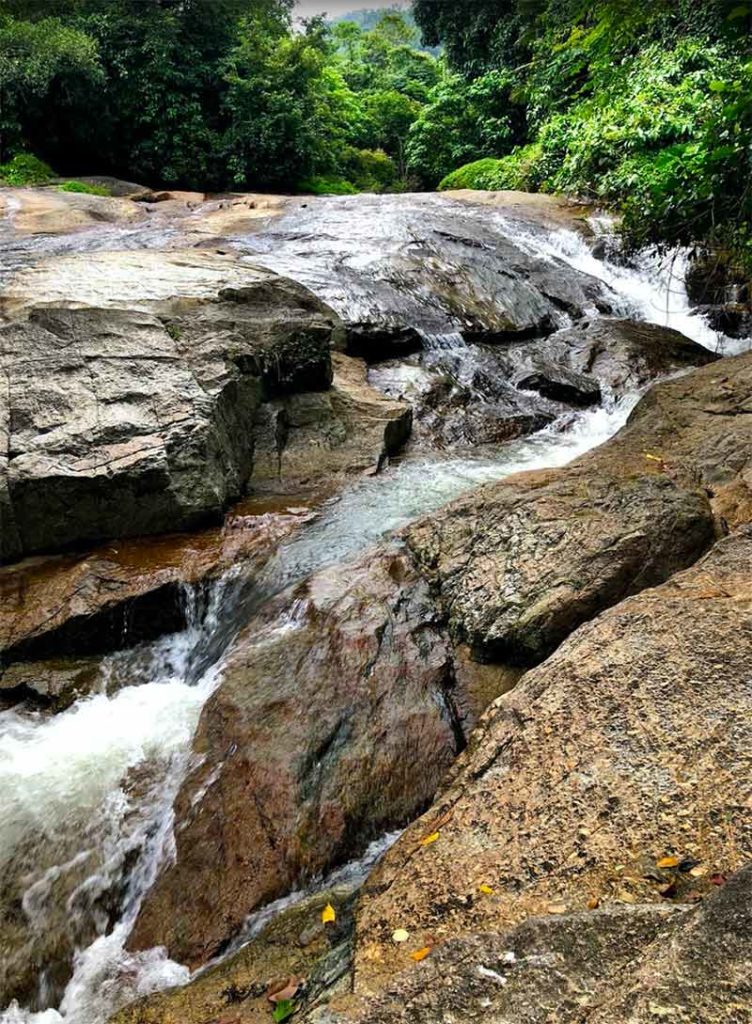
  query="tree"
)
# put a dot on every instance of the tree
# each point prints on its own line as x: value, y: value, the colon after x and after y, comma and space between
x: 290, y: 113
x: 463, y: 122
x: 34, y: 57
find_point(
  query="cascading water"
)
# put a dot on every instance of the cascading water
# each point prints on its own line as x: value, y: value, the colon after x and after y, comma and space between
x: 89, y: 793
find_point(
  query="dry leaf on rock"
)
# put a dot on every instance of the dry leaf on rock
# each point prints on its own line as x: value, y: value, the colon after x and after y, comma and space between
x: 420, y: 954
x: 668, y: 862
x: 285, y: 990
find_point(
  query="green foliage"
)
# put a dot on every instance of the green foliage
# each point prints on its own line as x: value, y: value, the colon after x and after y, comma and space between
x: 518, y: 171
x: 370, y: 170
x: 35, y: 57
x: 283, y: 1010
x: 321, y: 186
x: 85, y: 188
x: 211, y: 94
x: 463, y: 120
x: 25, y: 169
x: 647, y: 107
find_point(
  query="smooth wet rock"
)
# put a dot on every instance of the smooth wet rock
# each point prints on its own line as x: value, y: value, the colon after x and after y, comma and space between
x: 334, y: 722
x: 531, y: 209
x: 463, y: 397
x: 405, y: 270
x: 47, y: 211
x: 631, y: 744
x: 145, y: 279
x: 306, y: 438
x: 468, y: 394
x: 55, y: 683
x: 121, y: 423
x: 63, y: 873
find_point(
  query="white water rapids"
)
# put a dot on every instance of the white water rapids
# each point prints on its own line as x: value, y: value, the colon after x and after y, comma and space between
x: 66, y: 780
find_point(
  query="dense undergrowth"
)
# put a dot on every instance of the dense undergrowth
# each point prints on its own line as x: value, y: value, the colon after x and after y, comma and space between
x: 646, y: 107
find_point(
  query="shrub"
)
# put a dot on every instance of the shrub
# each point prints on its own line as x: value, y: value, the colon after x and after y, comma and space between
x: 25, y: 169
x: 84, y: 187
x: 477, y: 175
x: 518, y: 171
x: 326, y: 186
x: 370, y: 170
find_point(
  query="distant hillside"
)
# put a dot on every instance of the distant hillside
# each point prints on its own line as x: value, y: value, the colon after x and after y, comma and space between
x: 369, y: 17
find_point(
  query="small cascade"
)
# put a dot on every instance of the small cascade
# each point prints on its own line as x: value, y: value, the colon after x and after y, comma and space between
x: 649, y: 286
x: 449, y: 341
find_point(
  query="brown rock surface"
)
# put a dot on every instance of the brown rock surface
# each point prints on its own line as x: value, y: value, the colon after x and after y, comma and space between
x: 635, y: 964
x: 334, y: 722
x: 632, y: 743
x: 118, y: 595
x: 47, y: 211
x: 521, y: 563
x: 294, y: 945
x: 585, y: 536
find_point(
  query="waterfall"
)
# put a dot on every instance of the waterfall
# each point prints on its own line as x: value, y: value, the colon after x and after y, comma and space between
x: 89, y: 792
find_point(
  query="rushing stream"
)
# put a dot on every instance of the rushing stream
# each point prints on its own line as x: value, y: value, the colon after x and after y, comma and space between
x: 66, y: 782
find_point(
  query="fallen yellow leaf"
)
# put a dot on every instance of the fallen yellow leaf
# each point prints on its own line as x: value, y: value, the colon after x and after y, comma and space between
x: 486, y: 890
x: 400, y: 935
x: 653, y: 458
x: 328, y: 914
x: 430, y: 839
x: 668, y: 862
x: 420, y: 954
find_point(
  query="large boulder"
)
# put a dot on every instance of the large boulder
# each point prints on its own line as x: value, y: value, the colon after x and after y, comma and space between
x: 619, y: 771
x: 636, y: 963
x: 521, y: 563
x: 334, y: 722
x: 514, y: 569
x: 119, y: 423
x: 620, y: 355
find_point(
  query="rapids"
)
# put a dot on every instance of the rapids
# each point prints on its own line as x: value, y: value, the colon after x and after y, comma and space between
x: 67, y: 802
